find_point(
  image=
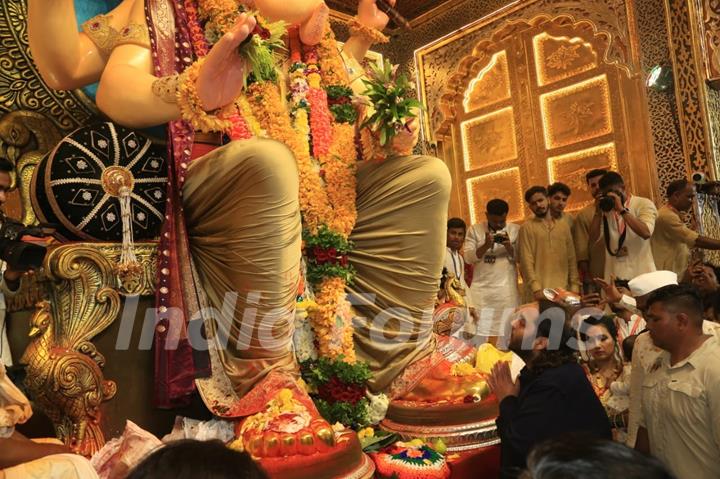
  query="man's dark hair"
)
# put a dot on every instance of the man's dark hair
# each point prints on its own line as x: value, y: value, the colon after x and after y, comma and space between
x: 553, y: 318
x: 497, y: 207
x: 607, y: 321
x: 456, y: 223
x: 594, y: 174
x: 676, y: 186
x: 611, y: 179
x: 189, y: 459
x: 577, y: 455
x: 6, y: 166
x: 628, y: 345
x: 558, y: 187
x: 533, y: 190
x: 680, y: 298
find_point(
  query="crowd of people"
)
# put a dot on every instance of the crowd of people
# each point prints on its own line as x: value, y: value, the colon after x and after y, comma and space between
x: 619, y: 331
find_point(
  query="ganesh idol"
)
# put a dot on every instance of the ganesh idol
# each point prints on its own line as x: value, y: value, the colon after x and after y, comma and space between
x: 276, y: 187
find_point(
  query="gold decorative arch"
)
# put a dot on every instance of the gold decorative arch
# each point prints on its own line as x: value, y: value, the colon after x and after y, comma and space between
x: 540, y: 100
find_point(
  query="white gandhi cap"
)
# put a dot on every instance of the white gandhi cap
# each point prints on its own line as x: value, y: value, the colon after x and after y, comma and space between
x: 649, y: 282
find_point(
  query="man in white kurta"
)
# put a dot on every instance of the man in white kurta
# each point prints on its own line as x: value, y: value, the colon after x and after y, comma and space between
x: 490, y: 248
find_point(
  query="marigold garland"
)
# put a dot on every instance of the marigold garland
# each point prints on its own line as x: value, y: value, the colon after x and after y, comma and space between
x: 266, y: 102
x: 190, y: 104
x: 327, y: 176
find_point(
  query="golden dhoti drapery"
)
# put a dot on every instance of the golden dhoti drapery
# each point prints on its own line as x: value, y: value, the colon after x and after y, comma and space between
x: 243, y: 218
x: 399, y: 241
x: 241, y: 206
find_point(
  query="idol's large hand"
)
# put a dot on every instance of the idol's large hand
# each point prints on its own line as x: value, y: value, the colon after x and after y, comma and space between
x: 221, y: 76
x: 371, y: 16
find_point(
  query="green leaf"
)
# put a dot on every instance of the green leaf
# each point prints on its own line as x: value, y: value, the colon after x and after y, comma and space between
x: 380, y: 440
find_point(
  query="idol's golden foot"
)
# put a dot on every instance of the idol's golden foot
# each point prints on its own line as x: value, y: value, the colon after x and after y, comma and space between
x: 285, y: 428
x: 292, y: 441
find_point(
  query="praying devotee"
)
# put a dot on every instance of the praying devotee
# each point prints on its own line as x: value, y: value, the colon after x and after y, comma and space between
x: 551, y: 397
x: 545, y: 249
x: 590, y: 255
x: 672, y: 239
x: 490, y: 248
x: 680, y: 421
x: 624, y: 223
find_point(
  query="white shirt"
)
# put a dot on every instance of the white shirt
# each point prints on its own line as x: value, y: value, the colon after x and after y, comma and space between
x: 681, y: 411
x: 645, y: 356
x: 494, y: 288
x: 637, y: 258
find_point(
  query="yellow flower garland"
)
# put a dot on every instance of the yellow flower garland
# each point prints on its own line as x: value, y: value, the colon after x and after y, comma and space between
x: 190, y: 105
x: 329, y: 201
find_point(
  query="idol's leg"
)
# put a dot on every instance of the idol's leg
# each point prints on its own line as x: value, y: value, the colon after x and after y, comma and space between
x: 243, y: 220
x: 399, y: 249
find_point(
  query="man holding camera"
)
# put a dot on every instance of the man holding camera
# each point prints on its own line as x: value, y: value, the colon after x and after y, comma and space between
x: 490, y: 247
x: 624, y: 223
x: 672, y: 240
x: 545, y: 250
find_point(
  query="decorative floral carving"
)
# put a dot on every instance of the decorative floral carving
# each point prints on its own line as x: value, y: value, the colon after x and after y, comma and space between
x: 689, y: 87
x: 21, y: 87
x: 578, y: 113
x: 562, y: 58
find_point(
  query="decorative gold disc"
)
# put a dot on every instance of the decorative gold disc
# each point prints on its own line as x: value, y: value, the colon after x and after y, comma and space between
x: 114, y: 178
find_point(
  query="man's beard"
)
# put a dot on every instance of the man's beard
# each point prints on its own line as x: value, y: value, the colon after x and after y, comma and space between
x: 541, y: 214
x: 516, y: 346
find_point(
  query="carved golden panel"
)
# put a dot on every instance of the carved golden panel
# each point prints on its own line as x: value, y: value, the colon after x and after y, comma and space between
x: 711, y: 40
x: 489, y: 139
x: 490, y: 86
x: 577, y: 113
x: 558, y: 58
x: 571, y: 169
x: 504, y: 184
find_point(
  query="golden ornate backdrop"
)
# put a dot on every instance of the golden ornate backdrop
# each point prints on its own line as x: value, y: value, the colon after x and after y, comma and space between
x: 538, y: 92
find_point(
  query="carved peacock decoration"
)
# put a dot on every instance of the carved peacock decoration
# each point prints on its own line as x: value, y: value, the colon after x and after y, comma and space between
x: 66, y: 381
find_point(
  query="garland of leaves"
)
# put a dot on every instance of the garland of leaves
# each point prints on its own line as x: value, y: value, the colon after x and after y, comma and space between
x: 338, y: 390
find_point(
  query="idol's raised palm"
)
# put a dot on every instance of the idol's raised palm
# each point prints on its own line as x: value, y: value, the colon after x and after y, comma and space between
x: 221, y: 76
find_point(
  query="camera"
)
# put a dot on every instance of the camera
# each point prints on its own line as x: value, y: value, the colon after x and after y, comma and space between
x: 607, y: 203
x: 500, y: 238
x: 18, y: 254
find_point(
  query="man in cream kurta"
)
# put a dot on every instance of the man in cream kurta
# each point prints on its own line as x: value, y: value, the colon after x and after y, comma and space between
x: 546, y: 251
x: 672, y: 239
